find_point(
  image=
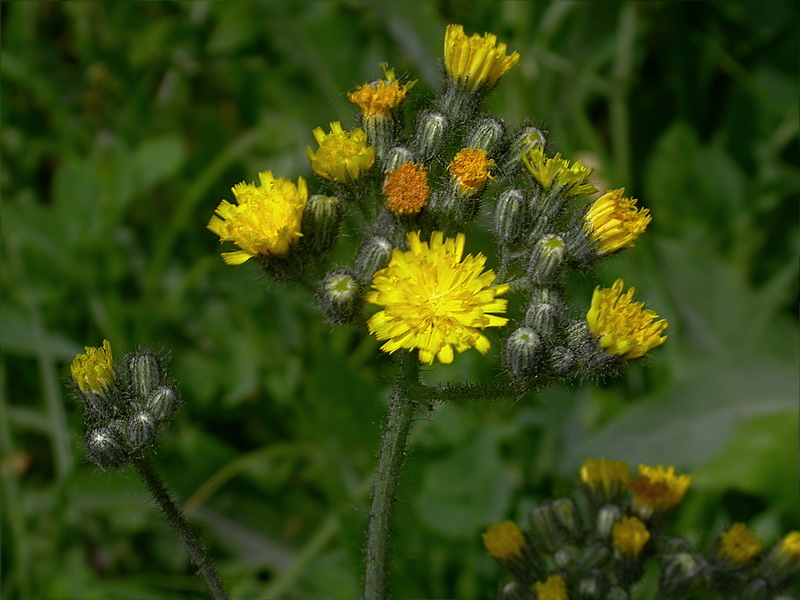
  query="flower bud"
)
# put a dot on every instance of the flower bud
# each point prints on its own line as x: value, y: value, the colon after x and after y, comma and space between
x: 523, y: 350
x: 509, y: 221
x: 564, y: 557
x: 397, y: 156
x: 321, y: 218
x: 678, y: 568
x: 373, y: 256
x: 606, y: 517
x: 523, y: 142
x: 515, y: 590
x: 485, y: 134
x: 141, y: 430
x: 616, y: 593
x: 542, y: 317
x: 593, y: 556
x: 592, y: 586
x: 561, y: 361
x: 340, y: 297
x: 567, y: 516
x: 452, y: 210
x: 431, y: 130
x: 145, y: 374
x: 105, y: 447
x: 545, y: 529
x: 547, y: 259
x: 162, y: 403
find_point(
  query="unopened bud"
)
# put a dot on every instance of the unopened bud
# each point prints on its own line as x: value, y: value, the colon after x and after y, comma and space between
x: 561, y: 361
x: 430, y: 134
x: 162, y: 403
x: 523, y: 351
x: 545, y: 529
x: 373, y: 256
x: 564, y: 558
x: 593, y: 556
x: 567, y: 516
x: 606, y: 517
x: 145, y: 374
x: 678, y: 568
x: 380, y: 132
x: 340, y: 297
x: 509, y: 216
x: 399, y: 155
x: 321, y: 218
x: 542, y: 317
x: 522, y: 143
x: 616, y: 593
x: 485, y: 134
x: 515, y: 590
x: 141, y: 430
x: 592, y: 586
x: 450, y: 209
x: 105, y: 447
x: 547, y: 259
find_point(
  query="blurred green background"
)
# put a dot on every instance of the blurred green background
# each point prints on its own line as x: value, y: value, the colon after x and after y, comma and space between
x: 125, y: 123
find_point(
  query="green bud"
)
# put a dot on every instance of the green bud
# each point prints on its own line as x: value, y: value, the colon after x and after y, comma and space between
x: 593, y: 556
x: 145, y: 374
x: 515, y: 590
x: 606, y: 517
x: 451, y: 210
x: 399, y: 155
x: 545, y: 529
x: 567, y: 516
x: 616, y: 593
x: 141, y: 430
x: 340, y: 297
x: 592, y: 586
x: 105, y: 447
x: 542, y: 317
x: 373, y: 256
x: 431, y: 129
x: 162, y: 403
x: 509, y: 216
x: 522, y: 354
x: 523, y: 141
x: 485, y: 134
x: 561, y: 361
x: 679, y: 568
x: 459, y: 103
x: 564, y: 557
x: 97, y: 408
x: 547, y: 259
x: 321, y: 218
x: 380, y: 132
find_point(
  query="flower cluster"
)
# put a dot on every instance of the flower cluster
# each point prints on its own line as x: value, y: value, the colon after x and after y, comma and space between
x: 416, y: 194
x: 597, y: 544
x: 125, y: 404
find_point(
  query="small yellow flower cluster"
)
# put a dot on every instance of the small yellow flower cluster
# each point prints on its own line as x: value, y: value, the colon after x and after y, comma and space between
x: 477, y: 61
x: 605, y: 477
x: 470, y: 170
x: 553, y: 588
x: 657, y: 489
x: 613, y: 222
x: 739, y: 544
x: 630, y: 536
x: 504, y: 541
x: 406, y: 189
x: 93, y: 372
x: 376, y: 100
x: 558, y: 173
x: 343, y: 156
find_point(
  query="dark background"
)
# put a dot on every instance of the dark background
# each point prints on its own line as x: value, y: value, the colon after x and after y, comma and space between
x: 125, y: 123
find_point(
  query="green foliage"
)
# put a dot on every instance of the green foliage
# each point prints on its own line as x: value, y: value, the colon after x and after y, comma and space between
x: 124, y: 124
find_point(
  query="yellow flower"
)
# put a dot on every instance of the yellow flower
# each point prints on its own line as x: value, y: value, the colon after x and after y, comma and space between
x: 342, y: 156
x: 622, y: 326
x: 470, y: 169
x: 378, y: 98
x: 605, y: 476
x: 504, y: 540
x: 266, y: 219
x: 657, y: 489
x: 554, y: 588
x: 477, y: 61
x: 434, y: 300
x: 94, y: 371
x: 613, y: 221
x: 406, y: 189
x: 739, y: 544
x: 789, y: 547
x: 630, y: 536
x: 558, y: 173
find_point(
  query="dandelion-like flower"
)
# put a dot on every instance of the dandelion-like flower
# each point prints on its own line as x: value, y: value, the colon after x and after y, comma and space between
x: 342, y: 156
x: 558, y: 173
x: 657, y: 489
x: 477, y: 61
x: 504, y: 541
x: 789, y: 548
x: 613, y: 221
x: 433, y: 300
x: 739, y: 544
x: 553, y: 588
x: 406, y: 189
x: 94, y: 371
x: 623, y: 327
x: 630, y: 536
x: 265, y: 221
x: 377, y: 99
x: 470, y: 170
x: 605, y: 477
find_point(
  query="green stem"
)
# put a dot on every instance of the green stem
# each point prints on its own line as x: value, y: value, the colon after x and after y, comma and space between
x: 192, y: 543
x: 464, y: 392
x: 390, y: 461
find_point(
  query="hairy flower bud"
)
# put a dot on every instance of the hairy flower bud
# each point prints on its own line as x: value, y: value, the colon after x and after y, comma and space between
x: 431, y: 129
x: 545, y: 529
x: 606, y: 517
x: 340, y: 297
x: 542, y: 317
x: 523, y: 351
x: 523, y: 142
x: 509, y: 216
x: 398, y: 156
x: 145, y: 374
x: 321, y: 218
x: 547, y: 259
x: 485, y: 134
x: 141, y: 430
x: 373, y: 256
x: 162, y: 403
x: 105, y: 447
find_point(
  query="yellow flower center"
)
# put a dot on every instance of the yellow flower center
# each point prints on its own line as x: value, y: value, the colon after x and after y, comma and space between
x: 343, y: 156
x: 739, y: 544
x: 504, y: 540
x: 470, y: 169
x: 406, y: 189
x: 613, y: 221
x: 553, y: 588
x: 657, y: 489
x: 94, y: 371
x: 558, y: 173
x: 477, y: 61
x: 606, y: 475
x: 630, y: 536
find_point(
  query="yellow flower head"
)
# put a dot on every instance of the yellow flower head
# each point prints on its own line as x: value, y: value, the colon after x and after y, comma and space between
x: 470, y: 169
x: 477, y: 61
x: 94, y: 371
x: 606, y: 477
x: 377, y: 99
x: 554, y: 588
x: 558, y: 173
x: 739, y: 544
x: 266, y: 219
x: 622, y: 326
x: 504, y: 540
x: 406, y: 188
x: 630, y: 536
x: 789, y: 547
x: 433, y: 299
x: 342, y: 156
x: 657, y: 489
x: 613, y: 221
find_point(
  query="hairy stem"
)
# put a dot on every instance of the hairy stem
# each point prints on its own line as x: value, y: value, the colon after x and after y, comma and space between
x: 192, y: 543
x: 390, y: 461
